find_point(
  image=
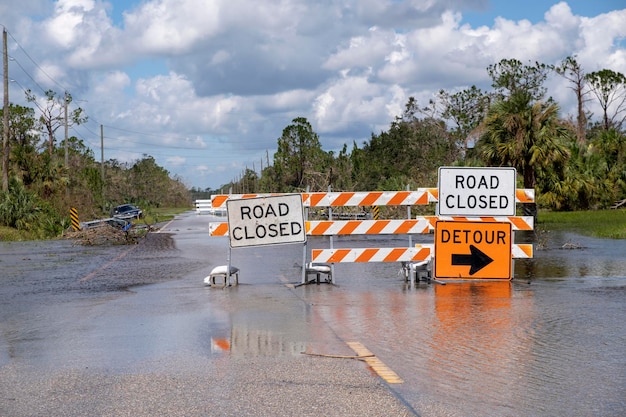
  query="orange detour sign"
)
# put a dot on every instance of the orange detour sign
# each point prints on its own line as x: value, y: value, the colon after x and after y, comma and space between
x: 473, y: 250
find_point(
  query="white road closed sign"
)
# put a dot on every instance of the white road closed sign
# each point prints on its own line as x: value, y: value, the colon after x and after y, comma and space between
x: 468, y: 191
x: 266, y: 220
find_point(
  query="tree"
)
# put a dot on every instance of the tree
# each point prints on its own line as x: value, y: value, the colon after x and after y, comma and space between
x: 465, y: 109
x: 510, y: 76
x: 571, y: 70
x: 408, y: 154
x: 609, y: 87
x: 23, y: 158
x: 524, y: 135
x: 299, y: 156
x: 53, y: 114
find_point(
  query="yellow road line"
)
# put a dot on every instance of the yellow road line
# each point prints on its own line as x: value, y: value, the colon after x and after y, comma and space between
x: 376, y: 364
x: 108, y: 264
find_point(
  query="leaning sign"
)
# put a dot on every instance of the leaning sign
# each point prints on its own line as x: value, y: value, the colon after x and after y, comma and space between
x: 266, y: 220
x: 466, y: 191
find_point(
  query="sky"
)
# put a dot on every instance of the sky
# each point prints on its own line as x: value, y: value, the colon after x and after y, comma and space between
x: 206, y: 87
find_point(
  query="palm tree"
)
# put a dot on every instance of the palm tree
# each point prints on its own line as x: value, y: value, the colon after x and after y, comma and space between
x: 525, y: 135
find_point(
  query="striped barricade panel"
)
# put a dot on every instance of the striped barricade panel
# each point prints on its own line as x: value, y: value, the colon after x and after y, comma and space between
x: 347, y: 199
x: 367, y: 227
x: 525, y: 195
x: 219, y: 200
x: 419, y: 225
x: 522, y: 251
x: 218, y: 229
x: 517, y: 222
x: 367, y: 198
x: 417, y: 253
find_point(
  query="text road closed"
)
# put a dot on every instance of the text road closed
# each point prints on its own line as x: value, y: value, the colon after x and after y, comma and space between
x: 266, y: 221
x: 467, y: 191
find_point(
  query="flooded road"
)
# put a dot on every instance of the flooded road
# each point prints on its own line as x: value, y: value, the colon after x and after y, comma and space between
x: 80, y: 330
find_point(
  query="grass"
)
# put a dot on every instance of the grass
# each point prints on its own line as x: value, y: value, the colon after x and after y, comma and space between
x: 161, y: 214
x: 610, y: 224
x: 9, y: 234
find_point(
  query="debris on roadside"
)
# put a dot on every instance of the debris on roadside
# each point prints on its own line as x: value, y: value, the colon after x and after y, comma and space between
x: 105, y: 234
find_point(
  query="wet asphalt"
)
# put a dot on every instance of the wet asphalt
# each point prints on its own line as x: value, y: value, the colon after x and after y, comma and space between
x: 132, y: 330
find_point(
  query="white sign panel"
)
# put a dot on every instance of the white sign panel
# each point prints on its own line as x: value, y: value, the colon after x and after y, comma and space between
x: 266, y: 220
x: 468, y: 191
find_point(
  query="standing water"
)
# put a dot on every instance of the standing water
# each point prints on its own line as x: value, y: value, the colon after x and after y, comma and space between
x: 550, y: 342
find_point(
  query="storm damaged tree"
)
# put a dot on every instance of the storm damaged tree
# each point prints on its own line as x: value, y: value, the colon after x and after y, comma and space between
x: 52, y: 108
x: 571, y: 70
x: 609, y: 87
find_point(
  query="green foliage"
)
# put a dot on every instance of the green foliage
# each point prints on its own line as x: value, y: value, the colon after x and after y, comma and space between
x: 47, y: 180
x: 571, y: 166
x: 609, y: 87
x: 465, y: 109
x: 408, y: 154
x: 524, y: 135
x: 299, y: 160
x: 510, y: 77
x: 19, y: 208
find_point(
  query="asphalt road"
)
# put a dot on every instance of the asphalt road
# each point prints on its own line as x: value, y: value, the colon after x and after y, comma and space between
x: 82, y: 334
x: 133, y: 330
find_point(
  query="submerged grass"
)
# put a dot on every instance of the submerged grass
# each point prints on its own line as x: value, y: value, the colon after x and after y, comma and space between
x: 609, y: 224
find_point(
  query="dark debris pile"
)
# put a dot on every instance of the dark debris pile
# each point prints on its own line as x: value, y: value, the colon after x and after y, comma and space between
x: 105, y: 234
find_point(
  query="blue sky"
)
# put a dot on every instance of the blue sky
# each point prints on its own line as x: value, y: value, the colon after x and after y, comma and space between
x: 206, y: 87
x: 534, y: 10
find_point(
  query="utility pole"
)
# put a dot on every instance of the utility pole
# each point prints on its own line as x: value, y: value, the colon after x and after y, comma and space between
x: 102, y: 164
x: 5, y: 114
x: 67, y: 187
x: 65, y: 101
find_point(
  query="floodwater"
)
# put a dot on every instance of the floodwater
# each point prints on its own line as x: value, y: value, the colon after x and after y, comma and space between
x: 552, y: 342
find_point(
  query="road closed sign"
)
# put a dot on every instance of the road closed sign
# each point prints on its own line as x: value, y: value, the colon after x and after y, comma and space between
x: 266, y: 220
x: 467, y: 191
x: 473, y: 250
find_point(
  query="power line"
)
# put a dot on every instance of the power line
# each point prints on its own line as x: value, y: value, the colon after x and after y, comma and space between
x: 35, y: 63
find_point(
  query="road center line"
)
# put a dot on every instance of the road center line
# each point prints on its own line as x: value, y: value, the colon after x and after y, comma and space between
x: 108, y: 264
x: 376, y: 364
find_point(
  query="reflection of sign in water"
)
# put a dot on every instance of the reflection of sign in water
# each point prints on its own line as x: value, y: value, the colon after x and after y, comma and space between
x: 248, y: 342
x: 473, y: 250
x: 467, y: 191
x: 266, y: 221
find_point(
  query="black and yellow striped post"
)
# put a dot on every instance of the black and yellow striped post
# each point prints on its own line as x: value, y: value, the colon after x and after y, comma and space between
x: 376, y: 211
x: 74, y: 219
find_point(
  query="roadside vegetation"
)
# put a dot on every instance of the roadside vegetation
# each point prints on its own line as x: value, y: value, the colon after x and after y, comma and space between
x: 609, y: 224
x: 574, y: 163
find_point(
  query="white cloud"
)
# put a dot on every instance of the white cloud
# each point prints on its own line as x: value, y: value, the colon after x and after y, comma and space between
x: 207, y: 87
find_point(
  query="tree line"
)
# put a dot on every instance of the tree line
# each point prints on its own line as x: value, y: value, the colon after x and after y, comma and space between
x: 43, y: 177
x: 573, y: 163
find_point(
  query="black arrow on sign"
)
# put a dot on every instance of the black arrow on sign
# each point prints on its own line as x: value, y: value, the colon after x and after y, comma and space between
x: 476, y: 260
